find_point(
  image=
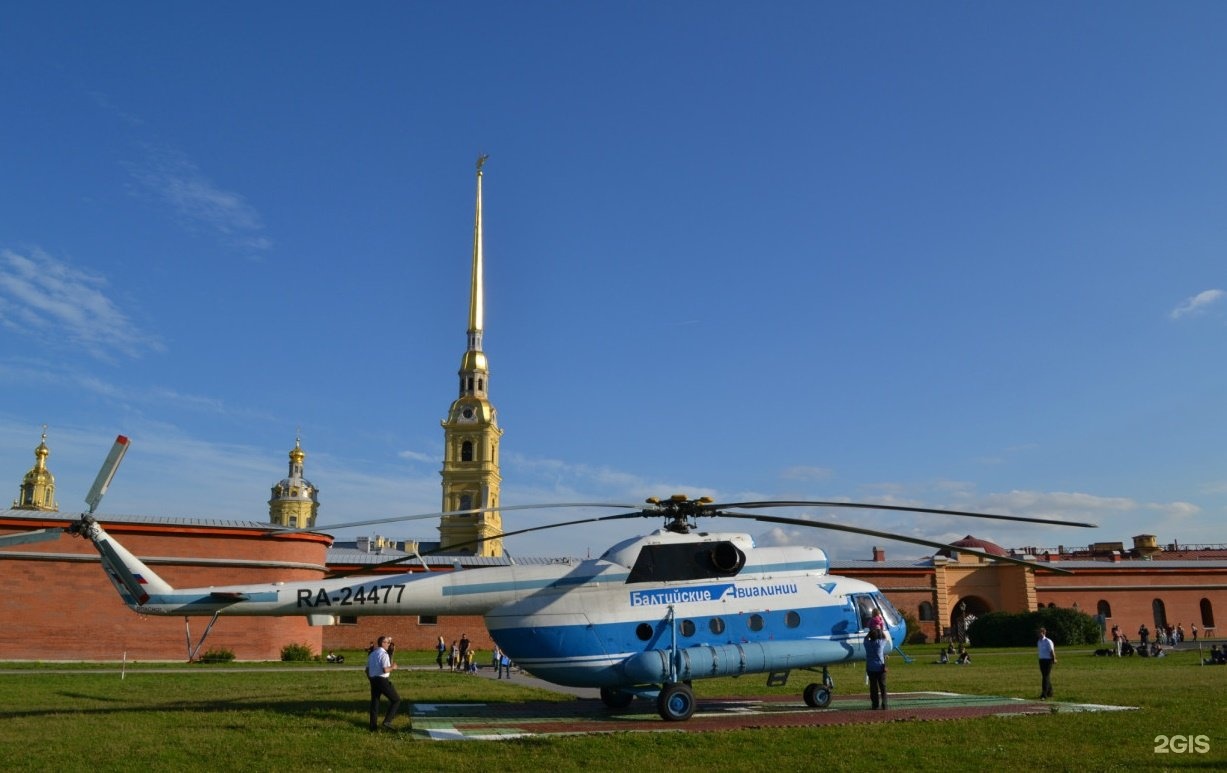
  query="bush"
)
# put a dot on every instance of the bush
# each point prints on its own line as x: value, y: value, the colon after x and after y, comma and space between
x: 297, y: 652
x: 216, y: 656
x: 1010, y: 629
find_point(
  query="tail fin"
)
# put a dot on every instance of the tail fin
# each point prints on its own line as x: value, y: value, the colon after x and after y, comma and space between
x: 135, y: 581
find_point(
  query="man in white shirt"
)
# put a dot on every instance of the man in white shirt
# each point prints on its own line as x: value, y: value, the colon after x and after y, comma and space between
x: 1047, y: 652
x: 379, y: 668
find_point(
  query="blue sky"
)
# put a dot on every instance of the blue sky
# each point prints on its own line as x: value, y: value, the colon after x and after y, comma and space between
x: 962, y: 255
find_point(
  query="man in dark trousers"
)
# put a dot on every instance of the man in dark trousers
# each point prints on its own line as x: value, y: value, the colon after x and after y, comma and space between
x: 1047, y: 652
x: 875, y: 666
x: 379, y: 668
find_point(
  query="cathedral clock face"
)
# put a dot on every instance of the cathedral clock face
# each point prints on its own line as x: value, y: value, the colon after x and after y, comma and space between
x: 467, y: 413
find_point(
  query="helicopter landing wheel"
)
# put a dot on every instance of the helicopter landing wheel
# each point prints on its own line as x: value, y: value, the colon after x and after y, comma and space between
x: 616, y: 699
x: 817, y: 696
x: 676, y: 702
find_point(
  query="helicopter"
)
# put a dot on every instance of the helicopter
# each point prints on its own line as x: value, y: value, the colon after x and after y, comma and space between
x: 645, y: 619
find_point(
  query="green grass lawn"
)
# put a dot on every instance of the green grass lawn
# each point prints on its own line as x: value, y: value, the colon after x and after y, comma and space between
x: 243, y: 718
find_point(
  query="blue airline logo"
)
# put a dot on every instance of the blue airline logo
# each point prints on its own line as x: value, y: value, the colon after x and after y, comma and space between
x: 701, y: 593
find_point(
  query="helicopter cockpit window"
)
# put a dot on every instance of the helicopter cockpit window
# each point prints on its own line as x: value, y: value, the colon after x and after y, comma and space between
x: 687, y: 628
x: 889, y: 613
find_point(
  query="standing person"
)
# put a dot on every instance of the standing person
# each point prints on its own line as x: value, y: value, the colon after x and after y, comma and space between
x: 453, y: 659
x: 464, y: 650
x: 1047, y: 652
x: 875, y: 667
x: 440, y: 648
x: 379, y: 668
x: 504, y: 666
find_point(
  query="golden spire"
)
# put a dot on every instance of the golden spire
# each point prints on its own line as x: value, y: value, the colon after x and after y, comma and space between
x: 476, y: 291
x: 471, y: 433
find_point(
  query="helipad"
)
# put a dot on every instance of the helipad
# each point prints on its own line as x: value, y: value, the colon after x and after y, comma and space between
x: 495, y: 721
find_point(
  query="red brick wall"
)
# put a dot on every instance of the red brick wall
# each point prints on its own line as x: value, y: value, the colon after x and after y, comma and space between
x: 1131, y: 594
x: 61, y: 607
x: 409, y: 633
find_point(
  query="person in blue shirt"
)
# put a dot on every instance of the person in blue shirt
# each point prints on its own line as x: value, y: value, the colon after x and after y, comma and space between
x: 1048, y: 657
x: 875, y: 666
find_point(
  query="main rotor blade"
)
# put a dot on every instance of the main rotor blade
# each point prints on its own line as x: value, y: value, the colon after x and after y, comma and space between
x: 890, y: 536
x: 900, y: 508
x: 26, y: 537
x: 438, y: 551
x: 421, y: 516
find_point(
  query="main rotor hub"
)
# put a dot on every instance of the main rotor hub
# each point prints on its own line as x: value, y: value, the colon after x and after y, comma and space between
x: 680, y: 512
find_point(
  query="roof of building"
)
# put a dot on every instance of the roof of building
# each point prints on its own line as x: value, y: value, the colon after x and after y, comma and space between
x: 893, y: 563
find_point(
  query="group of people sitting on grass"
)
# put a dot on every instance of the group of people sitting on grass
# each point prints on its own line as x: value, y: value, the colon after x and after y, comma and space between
x: 1218, y: 656
x: 963, y: 658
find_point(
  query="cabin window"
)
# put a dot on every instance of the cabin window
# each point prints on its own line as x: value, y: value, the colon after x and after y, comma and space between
x: 687, y: 628
x: 643, y: 631
x: 756, y: 622
x: 792, y: 619
x: 926, y: 612
x: 716, y: 625
x: 428, y: 619
x: 1103, y: 608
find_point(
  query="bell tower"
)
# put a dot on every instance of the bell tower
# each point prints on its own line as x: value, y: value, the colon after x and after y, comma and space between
x: 295, y: 501
x: 38, y: 486
x: 471, y: 434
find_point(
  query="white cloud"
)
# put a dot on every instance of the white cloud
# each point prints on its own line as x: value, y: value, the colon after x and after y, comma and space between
x: 802, y: 472
x: 1197, y: 304
x: 174, y: 178
x: 50, y: 299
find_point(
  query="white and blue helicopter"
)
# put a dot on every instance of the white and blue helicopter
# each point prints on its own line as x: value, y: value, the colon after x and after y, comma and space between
x: 645, y: 619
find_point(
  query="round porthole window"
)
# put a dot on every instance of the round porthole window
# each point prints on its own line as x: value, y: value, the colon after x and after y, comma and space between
x: 716, y: 625
x: 792, y: 620
x: 756, y: 622
x: 643, y: 631
x: 687, y: 628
